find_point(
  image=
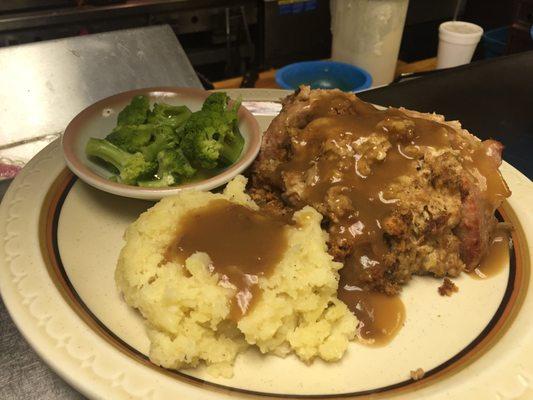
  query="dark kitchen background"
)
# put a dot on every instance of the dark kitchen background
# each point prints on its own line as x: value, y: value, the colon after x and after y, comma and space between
x: 225, y: 38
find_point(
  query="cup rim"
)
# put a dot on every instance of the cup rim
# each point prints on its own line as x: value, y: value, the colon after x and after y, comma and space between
x: 443, y: 28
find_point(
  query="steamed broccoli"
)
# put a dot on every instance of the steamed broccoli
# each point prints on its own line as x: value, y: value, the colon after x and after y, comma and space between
x: 132, y: 138
x: 216, y: 102
x: 173, y: 165
x: 174, y: 162
x: 233, y: 142
x: 134, y: 113
x: 168, y: 144
x: 211, y: 136
x: 131, y: 167
x: 164, y: 137
x: 203, y: 137
x: 231, y: 148
x: 166, y: 114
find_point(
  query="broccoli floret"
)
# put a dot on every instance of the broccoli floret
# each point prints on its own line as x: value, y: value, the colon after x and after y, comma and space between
x: 134, y: 113
x: 167, y: 114
x: 131, y: 167
x: 216, y: 102
x: 232, y: 114
x: 164, y: 137
x: 174, y: 162
x: 233, y: 141
x: 211, y: 136
x: 203, y: 137
x: 132, y: 138
x: 152, y: 148
x: 231, y: 148
x: 173, y: 167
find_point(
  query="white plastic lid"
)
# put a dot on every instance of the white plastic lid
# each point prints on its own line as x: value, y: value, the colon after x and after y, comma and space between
x: 460, y: 32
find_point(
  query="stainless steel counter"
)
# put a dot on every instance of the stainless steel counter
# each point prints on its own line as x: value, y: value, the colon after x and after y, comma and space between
x: 42, y: 87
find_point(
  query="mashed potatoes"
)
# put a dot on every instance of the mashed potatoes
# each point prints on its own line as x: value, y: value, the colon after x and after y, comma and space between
x: 186, y: 309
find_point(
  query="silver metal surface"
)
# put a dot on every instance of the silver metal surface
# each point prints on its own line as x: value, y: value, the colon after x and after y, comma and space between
x: 84, y: 13
x: 44, y: 85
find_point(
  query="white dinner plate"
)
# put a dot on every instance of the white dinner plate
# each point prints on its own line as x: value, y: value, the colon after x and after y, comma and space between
x: 60, y: 239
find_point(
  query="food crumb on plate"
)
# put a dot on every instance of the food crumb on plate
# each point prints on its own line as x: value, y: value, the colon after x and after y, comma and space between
x: 417, y: 374
x: 448, y: 287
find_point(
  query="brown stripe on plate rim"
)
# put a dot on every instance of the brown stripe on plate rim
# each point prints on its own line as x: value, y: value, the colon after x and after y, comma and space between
x: 509, y: 307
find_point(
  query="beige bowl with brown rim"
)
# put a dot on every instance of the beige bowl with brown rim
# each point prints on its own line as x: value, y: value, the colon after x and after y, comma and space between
x: 100, y: 118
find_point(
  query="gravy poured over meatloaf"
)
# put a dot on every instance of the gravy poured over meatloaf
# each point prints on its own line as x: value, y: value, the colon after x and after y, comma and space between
x: 401, y: 192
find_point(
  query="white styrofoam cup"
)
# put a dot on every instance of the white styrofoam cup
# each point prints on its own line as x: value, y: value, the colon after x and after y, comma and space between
x: 457, y: 43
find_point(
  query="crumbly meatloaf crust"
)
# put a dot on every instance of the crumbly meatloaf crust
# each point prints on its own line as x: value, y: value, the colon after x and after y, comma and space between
x: 441, y: 225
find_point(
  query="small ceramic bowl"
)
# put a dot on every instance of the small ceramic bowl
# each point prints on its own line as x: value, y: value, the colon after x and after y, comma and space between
x: 100, y: 118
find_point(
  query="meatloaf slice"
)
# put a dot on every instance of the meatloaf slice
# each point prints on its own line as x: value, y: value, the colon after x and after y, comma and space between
x: 401, y: 192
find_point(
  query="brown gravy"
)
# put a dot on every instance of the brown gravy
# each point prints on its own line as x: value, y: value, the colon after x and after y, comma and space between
x: 380, y: 316
x: 495, y: 187
x: 362, y: 177
x: 496, y: 258
x: 338, y: 157
x: 243, y: 245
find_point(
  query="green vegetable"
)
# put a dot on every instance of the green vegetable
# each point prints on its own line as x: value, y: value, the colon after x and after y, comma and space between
x: 232, y: 148
x: 132, y: 138
x: 134, y: 113
x: 202, y: 140
x: 216, y: 102
x: 168, y: 115
x: 174, y: 162
x: 168, y: 144
x: 211, y: 135
x: 234, y: 142
x: 131, y: 167
x: 164, y: 137
x: 172, y: 166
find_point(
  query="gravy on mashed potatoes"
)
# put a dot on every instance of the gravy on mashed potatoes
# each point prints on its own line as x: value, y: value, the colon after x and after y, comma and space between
x: 243, y: 245
x: 188, y: 300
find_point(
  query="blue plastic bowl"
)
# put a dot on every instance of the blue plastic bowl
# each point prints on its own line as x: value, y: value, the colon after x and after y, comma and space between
x: 323, y: 75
